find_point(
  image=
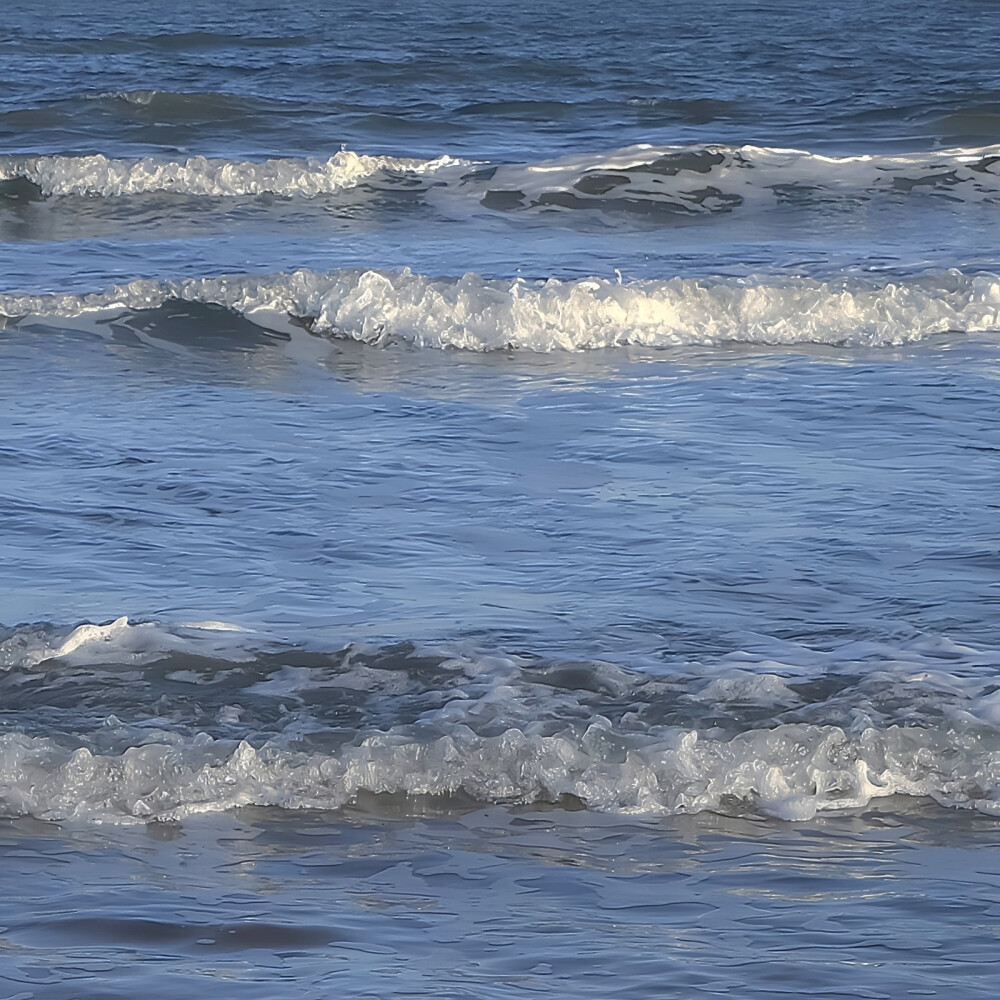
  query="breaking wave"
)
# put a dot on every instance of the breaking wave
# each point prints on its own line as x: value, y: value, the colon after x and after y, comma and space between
x: 99, y: 176
x: 167, y: 721
x: 480, y: 314
x: 645, y: 179
x: 692, y: 180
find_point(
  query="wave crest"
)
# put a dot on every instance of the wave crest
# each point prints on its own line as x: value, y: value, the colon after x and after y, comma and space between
x: 791, y: 772
x: 169, y: 721
x: 652, y: 180
x: 480, y: 314
x: 693, y: 180
x: 99, y: 176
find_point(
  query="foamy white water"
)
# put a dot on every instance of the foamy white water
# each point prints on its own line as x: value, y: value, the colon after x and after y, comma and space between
x: 829, y: 733
x: 99, y: 176
x: 499, y: 504
x: 712, y: 178
x: 478, y: 314
x: 685, y: 179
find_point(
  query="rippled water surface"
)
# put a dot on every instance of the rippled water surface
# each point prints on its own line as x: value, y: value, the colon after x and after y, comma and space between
x: 496, y: 904
x: 499, y: 501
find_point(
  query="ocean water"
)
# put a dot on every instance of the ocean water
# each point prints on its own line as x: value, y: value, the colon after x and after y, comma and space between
x: 499, y: 501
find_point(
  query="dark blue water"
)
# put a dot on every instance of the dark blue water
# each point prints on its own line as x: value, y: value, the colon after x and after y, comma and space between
x: 499, y: 500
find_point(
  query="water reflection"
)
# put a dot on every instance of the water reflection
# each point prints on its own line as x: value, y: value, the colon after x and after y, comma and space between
x: 495, y: 901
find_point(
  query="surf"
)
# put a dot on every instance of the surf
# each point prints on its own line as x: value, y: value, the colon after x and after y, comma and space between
x: 473, y: 313
x: 669, y: 179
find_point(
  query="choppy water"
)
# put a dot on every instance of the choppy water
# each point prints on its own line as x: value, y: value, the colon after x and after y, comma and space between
x: 499, y: 500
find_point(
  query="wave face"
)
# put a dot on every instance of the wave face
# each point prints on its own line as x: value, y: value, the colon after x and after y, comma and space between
x: 475, y: 313
x: 239, y: 720
x: 650, y: 180
x: 99, y: 176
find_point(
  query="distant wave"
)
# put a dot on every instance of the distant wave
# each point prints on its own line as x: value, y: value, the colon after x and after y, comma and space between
x: 665, y: 180
x: 99, y: 176
x: 128, y: 43
x: 282, y: 727
x: 151, y: 107
x: 480, y: 314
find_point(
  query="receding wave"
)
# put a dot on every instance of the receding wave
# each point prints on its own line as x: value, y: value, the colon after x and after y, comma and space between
x: 162, y: 722
x: 480, y: 314
x: 99, y: 176
x: 666, y: 181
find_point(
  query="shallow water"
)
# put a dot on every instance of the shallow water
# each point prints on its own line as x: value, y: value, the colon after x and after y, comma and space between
x: 495, y: 903
x: 499, y: 504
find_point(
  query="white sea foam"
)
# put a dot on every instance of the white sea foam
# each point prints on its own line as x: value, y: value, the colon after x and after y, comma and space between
x: 714, y: 178
x: 791, y: 772
x: 100, y: 176
x: 124, y: 643
x: 676, y: 179
x: 791, y: 736
x: 480, y: 314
